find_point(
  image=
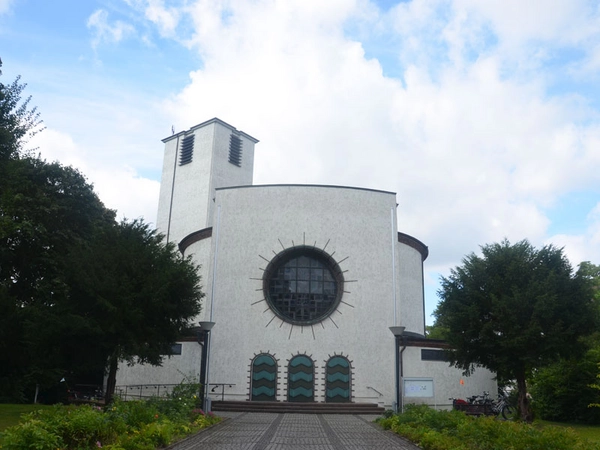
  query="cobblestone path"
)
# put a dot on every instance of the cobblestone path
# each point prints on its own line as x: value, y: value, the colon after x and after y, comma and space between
x: 267, y: 431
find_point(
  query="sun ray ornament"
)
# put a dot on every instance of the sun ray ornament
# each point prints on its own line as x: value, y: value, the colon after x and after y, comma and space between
x: 302, y: 286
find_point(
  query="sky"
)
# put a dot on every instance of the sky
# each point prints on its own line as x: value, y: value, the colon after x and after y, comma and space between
x: 483, y: 117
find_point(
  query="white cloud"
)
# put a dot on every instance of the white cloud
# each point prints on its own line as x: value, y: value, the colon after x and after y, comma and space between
x: 119, y: 185
x: 467, y: 134
x: 517, y: 23
x: 5, y: 6
x: 105, y: 32
x: 166, y: 19
x: 474, y: 155
x: 582, y: 247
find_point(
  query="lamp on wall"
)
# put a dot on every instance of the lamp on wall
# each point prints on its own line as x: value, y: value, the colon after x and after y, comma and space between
x: 205, y: 328
x: 398, y: 333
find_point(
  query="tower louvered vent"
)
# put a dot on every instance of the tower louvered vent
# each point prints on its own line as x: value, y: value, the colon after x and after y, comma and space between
x: 235, y: 150
x: 187, y: 149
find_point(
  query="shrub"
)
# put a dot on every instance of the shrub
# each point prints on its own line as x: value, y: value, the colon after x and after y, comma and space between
x: 69, y: 426
x: 453, y: 430
x: 31, y: 435
x: 563, y: 390
x: 132, y: 414
x: 180, y: 404
x: 134, y: 425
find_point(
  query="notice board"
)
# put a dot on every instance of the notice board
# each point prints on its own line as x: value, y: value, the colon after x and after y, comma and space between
x: 418, y: 387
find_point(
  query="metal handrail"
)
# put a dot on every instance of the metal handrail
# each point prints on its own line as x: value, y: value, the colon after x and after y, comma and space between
x: 380, y: 394
x: 124, y: 391
x: 216, y: 385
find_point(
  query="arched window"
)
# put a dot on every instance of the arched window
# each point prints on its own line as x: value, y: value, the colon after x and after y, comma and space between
x: 301, y: 379
x: 263, y: 382
x: 337, y: 380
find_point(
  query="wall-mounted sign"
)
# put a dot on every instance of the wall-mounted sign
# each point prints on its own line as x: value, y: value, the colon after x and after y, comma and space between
x: 418, y: 387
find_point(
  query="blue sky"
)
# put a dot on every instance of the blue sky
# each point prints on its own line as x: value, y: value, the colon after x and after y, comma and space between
x: 483, y: 117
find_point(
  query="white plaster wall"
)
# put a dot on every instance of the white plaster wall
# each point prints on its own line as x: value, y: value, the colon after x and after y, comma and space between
x: 224, y: 173
x: 189, y: 201
x: 174, y: 369
x: 447, y: 379
x: 166, y: 185
x: 200, y: 252
x: 186, y: 200
x: 410, y: 289
x: 356, y: 226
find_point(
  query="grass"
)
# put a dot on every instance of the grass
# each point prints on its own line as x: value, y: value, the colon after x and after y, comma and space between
x: 11, y: 414
x: 589, y: 432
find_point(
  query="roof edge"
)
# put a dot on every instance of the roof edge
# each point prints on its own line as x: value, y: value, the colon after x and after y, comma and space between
x: 194, y: 237
x: 414, y: 243
x: 208, y: 122
x: 335, y: 186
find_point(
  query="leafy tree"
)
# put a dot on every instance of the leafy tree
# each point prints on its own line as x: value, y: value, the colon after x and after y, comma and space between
x: 134, y: 294
x: 515, y: 309
x: 18, y: 123
x: 77, y: 289
x: 435, y: 331
x: 564, y: 389
x: 46, y: 211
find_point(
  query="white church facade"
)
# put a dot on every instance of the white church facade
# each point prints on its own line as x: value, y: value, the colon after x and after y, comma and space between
x: 303, y: 283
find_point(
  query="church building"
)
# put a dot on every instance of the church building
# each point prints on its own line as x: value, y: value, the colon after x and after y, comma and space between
x: 302, y: 283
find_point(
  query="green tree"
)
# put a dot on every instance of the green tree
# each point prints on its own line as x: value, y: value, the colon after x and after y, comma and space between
x: 77, y: 289
x: 46, y: 212
x: 564, y: 389
x: 18, y: 122
x: 435, y: 331
x: 133, y: 294
x: 515, y: 309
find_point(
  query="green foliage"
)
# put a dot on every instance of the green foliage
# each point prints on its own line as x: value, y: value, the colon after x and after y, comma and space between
x: 435, y: 331
x: 10, y: 414
x: 453, y: 430
x: 142, y: 292
x: 18, y: 123
x: 130, y: 425
x: 47, y: 211
x: 77, y: 289
x: 564, y: 389
x: 515, y: 309
x: 31, y: 435
x: 181, y: 404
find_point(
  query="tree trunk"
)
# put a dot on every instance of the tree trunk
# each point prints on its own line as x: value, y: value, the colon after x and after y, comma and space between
x: 523, y: 402
x: 112, y: 379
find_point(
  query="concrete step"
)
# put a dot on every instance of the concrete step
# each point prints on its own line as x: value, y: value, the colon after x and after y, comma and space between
x: 298, y: 408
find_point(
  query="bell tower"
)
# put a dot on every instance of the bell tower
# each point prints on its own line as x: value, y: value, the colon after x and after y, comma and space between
x: 206, y: 157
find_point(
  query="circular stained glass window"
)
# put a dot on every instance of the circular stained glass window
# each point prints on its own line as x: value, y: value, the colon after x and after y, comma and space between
x: 303, y: 285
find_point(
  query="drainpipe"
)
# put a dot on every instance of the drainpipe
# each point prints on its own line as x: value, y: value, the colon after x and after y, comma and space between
x: 402, y: 374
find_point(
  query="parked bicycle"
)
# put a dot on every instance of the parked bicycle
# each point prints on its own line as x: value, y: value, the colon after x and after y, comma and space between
x: 480, y: 405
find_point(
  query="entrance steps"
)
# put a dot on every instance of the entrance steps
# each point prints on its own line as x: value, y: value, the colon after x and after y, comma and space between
x: 298, y: 408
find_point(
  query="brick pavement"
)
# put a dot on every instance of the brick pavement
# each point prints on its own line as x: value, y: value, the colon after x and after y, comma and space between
x: 268, y: 431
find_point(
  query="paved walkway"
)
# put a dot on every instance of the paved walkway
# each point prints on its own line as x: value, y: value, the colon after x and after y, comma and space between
x: 268, y: 431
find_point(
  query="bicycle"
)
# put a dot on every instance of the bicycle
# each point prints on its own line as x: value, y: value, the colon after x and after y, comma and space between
x: 484, y: 405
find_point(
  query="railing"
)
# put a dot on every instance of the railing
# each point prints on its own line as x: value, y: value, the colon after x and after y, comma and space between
x: 143, y: 391
x: 216, y: 386
x: 373, y: 389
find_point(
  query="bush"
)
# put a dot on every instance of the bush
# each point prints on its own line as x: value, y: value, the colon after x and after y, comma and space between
x: 179, y: 405
x: 562, y: 391
x: 31, y: 435
x: 133, y: 425
x: 453, y: 430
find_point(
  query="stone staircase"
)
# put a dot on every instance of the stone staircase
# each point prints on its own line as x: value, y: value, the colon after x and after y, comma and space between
x: 298, y: 408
